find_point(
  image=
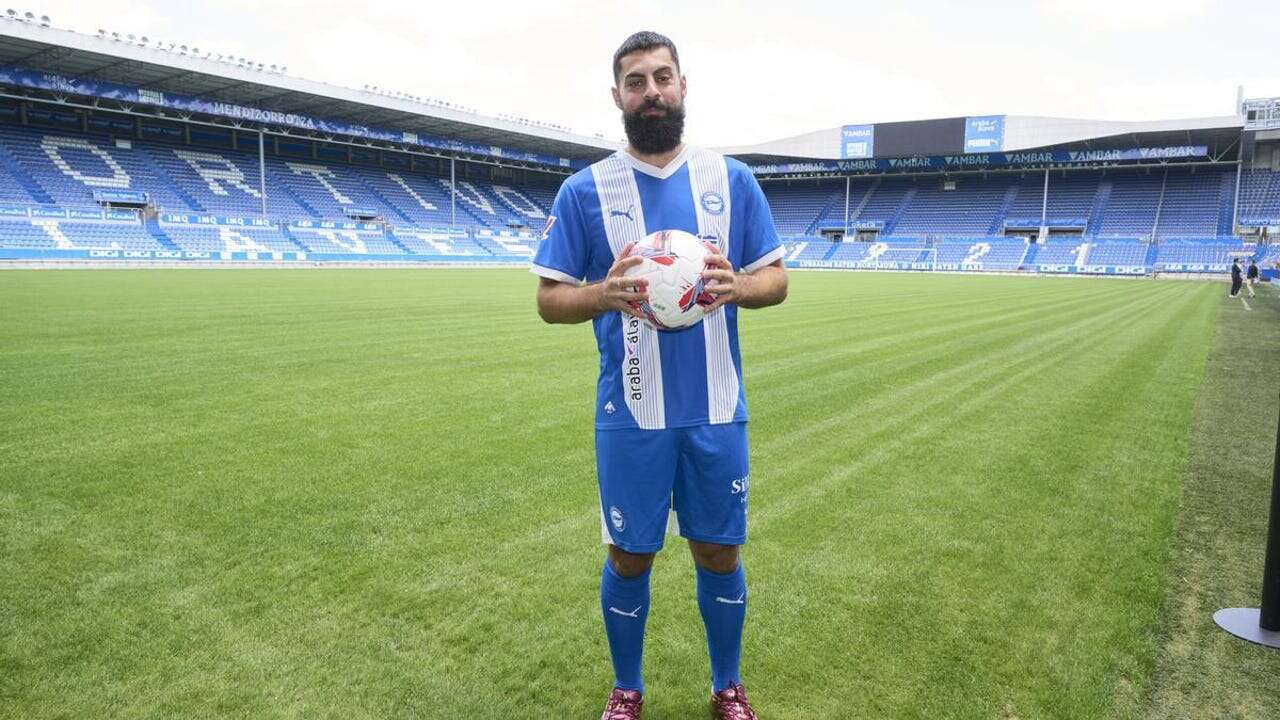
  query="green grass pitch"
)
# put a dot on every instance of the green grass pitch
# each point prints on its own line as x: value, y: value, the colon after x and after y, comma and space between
x: 371, y: 494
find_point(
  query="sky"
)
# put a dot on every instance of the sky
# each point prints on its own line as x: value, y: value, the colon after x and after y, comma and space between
x: 756, y: 71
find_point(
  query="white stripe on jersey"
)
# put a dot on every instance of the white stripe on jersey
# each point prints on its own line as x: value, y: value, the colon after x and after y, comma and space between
x: 708, y: 178
x: 623, y: 219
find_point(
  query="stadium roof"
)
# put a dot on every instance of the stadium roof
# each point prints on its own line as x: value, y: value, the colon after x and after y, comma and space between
x: 104, y: 58
x: 63, y: 52
x: 1020, y: 133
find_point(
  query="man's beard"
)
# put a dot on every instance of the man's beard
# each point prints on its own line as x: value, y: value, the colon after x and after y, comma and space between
x: 654, y: 135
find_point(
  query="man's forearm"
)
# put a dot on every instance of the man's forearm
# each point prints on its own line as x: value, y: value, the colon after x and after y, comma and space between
x: 563, y: 303
x: 764, y: 287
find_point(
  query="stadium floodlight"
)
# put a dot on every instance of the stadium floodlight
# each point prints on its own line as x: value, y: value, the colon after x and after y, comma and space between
x: 145, y: 41
x: 29, y: 17
x: 44, y: 21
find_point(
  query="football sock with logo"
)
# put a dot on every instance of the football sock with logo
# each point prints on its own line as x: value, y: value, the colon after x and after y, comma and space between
x: 625, y: 604
x: 722, y: 599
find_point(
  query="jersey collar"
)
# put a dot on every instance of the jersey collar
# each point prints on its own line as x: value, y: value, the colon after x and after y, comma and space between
x: 661, y: 173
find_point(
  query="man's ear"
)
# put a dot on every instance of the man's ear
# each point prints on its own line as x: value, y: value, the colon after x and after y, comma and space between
x: 617, y: 97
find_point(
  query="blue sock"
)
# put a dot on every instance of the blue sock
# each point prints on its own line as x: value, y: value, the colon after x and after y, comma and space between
x: 722, y: 599
x: 625, y: 604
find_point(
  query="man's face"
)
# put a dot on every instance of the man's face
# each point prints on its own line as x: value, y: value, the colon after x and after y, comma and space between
x: 650, y: 93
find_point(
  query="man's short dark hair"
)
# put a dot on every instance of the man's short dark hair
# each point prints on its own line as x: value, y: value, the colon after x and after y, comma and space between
x: 643, y: 40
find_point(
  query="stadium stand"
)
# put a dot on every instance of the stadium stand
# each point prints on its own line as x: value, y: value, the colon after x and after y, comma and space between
x: 1117, y: 251
x: 48, y: 167
x: 981, y: 253
x: 1170, y: 219
x: 1061, y: 251
x: 1209, y: 254
x: 1259, y: 193
x: 97, y: 166
x: 975, y: 210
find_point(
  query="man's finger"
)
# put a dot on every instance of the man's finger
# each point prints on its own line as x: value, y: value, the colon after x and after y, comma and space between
x: 627, y: 263
x: 624, y: 264
x: 718, y: 260
x: 626, y: 283
x: 630, y: 296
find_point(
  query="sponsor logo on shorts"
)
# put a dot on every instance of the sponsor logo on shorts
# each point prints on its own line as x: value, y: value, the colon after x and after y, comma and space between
x: 740, y: 487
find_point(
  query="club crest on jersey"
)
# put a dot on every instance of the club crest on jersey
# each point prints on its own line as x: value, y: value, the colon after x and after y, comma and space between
x: 615, y: 517
x: 546, y: 229
x: 712, y: 202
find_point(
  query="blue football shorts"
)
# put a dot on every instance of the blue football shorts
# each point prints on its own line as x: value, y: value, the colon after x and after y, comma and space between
x: 698, y: 474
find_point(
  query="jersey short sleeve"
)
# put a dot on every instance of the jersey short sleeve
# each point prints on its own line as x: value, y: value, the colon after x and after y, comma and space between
x: 760, y: 243
x: 563, y: 253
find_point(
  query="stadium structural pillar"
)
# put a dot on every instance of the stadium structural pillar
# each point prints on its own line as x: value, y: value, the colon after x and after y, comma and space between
x: 262, y: 170
x: 1262, y: 625
x: 846, y: 205
x: 453, y: 192
x: 1235, y: 203
x: 1044, y: 200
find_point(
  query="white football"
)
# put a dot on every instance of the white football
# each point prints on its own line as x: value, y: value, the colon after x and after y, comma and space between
x: 673, y: 265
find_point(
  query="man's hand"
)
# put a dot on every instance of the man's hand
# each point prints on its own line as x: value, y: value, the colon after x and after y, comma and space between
x: 561, y: 302
x: 762, y: 288
x: 618, y: 292
x: 722, y: 281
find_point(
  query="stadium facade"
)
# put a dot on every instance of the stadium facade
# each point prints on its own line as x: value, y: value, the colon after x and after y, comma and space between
x: 117, y: 149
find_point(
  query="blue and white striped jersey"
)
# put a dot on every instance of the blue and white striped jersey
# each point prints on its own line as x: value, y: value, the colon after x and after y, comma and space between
x: 650, y: 379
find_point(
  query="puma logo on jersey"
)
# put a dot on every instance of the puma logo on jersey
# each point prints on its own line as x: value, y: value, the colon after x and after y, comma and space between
x: 624, y: 213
